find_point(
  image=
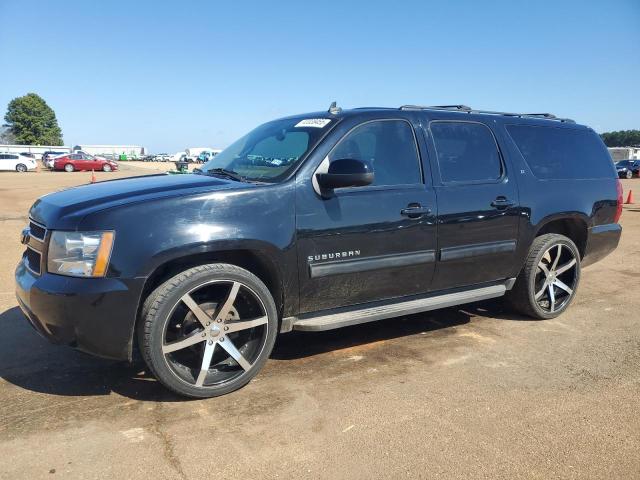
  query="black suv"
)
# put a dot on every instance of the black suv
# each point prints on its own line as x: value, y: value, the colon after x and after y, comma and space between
x: 315, y: 222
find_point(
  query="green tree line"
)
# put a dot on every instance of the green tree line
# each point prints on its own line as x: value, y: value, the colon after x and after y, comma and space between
x: 621, y: 138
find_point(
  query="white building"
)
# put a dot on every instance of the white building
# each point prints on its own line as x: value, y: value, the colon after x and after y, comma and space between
x: 37, y: 150
x: 131, y: 151
x: 624, y: 153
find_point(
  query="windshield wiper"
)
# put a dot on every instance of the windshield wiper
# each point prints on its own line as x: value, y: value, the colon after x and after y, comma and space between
x: 223, y: 172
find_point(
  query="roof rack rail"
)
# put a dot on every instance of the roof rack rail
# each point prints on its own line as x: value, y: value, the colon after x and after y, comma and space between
x: 465, y: 109
x: 543, y: 115
x: 454, y: 107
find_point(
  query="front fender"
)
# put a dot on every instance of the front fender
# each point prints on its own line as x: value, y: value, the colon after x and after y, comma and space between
x: 150, y: 233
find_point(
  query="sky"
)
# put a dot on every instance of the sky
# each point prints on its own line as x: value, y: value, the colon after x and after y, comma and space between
x: 175, y: 74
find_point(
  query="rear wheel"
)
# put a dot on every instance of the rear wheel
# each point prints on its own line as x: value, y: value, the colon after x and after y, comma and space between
x: 547, y: 284
x: 69, y: 168
x: 21, y: 167
x: 208, y: 331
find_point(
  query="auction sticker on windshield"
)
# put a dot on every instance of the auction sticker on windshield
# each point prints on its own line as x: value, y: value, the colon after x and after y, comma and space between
x: 313, y: 122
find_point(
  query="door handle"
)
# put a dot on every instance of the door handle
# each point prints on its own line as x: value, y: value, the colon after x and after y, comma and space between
x: 415, y: 210
x: 502, y: 202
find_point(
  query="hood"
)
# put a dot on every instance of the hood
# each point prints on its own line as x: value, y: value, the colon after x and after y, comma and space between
x: 66, y: 208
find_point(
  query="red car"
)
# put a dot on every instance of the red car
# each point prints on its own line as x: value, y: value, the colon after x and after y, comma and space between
x: 83, y: 161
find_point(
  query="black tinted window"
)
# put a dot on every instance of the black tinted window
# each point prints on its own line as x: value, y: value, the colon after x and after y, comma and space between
x: 466, y: 152
x: 556, y: 153
x: 390, y: 147
x: 271, y: 151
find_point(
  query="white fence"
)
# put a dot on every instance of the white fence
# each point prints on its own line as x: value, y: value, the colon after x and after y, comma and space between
x: 35, y: 150
x: 131, y: 151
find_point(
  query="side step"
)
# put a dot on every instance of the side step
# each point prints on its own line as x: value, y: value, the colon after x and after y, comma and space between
x: 370, y: 312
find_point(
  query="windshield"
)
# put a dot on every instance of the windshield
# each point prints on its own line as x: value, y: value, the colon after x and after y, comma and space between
x: 623, y: 163
x: 271, y: 151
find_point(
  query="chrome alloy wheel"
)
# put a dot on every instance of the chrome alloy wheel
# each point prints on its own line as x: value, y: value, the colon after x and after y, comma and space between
x: 555, y: 278
x: 215, y: 333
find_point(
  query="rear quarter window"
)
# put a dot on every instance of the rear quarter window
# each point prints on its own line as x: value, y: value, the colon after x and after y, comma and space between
x: 562, y: 153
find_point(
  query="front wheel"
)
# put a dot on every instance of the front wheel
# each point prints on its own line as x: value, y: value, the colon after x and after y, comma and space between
x: 68, y: 168
x: 629, y: 174
x: 208, y: 331
x: 21, y: 168
x: 548, y: 282
x: 106, y: 167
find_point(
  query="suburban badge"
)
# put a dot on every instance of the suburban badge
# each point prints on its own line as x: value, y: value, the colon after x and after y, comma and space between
x: 332, y: 256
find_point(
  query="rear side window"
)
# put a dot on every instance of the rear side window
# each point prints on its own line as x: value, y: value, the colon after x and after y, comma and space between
x: 390, y: 147
x: 466, y: 152
x: 561, y: 153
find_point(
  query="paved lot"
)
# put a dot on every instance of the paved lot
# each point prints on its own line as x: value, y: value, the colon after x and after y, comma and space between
x: 473, y: 392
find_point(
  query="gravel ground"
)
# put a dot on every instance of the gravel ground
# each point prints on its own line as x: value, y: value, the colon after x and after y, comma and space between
x: 473, y: 392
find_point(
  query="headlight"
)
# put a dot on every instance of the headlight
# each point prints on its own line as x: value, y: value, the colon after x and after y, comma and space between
x: 79, y: 254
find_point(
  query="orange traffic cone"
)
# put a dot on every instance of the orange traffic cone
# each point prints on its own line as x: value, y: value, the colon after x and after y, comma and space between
x: 629, y: 198
x: 93, y: 176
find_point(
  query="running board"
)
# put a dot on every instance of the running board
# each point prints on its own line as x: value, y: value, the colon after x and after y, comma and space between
x: 354, y: 315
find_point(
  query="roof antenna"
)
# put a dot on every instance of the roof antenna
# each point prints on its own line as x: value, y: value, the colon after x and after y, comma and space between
x: 334, y: 109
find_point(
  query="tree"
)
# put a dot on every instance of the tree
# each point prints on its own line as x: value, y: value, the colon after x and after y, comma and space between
x: 621, y: 138
x: 32, y: 122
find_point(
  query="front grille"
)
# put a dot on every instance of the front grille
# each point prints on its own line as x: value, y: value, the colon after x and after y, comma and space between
x: 34, y: 259
x: 36, y: 246
x: 37, y: 231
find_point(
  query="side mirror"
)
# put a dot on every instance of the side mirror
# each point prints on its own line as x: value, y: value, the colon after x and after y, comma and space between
x: 346, y: 173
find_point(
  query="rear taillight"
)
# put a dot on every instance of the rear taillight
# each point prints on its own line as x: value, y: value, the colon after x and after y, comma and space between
x: 619, y: 207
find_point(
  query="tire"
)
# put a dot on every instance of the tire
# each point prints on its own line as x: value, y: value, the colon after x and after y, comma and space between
x: 69, y: 168
x: 217, y: 311
x: 106, y: 167
x: 629, y: 174
x: 532, y: 293
x: 21, y: 167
